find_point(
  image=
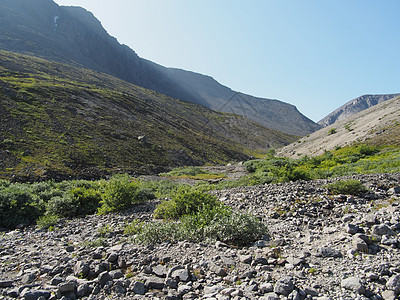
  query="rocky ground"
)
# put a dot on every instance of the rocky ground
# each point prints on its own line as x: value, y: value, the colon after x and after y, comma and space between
x: 320, y: 247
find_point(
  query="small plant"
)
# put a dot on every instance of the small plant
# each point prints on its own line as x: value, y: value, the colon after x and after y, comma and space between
x: 100, y: 242
x: 47, y: 222
x: 312, y: 270
x: 332, y: 131
x: 350, y: 187
x: 185, y: 201
x: 104, y: 230
x: 134, y: 227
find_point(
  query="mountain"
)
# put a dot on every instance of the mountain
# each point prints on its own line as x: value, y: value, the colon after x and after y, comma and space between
x: 59, y: 121
x: 354, y: 106
x: 378, y: 125
x: 73, y: 35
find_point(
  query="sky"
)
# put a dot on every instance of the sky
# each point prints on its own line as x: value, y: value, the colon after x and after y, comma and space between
x: 316, y: 55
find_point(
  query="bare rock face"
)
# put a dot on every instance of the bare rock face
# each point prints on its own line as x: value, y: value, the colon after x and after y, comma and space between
x: 354, y: 106
x: 311, y: 253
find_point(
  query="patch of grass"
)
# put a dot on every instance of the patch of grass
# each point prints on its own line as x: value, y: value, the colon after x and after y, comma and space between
x: 47, y: 221
x: 349, y: 187
x: 196, y: 173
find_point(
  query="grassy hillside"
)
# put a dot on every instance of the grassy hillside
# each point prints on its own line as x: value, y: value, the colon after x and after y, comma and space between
x: 58, y: 121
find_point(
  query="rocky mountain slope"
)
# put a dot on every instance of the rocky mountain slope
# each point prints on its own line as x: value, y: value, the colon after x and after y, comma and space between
x: 59, y: 121
x: 73, y: 35
x: 355, y: 106
x: 378, y: 124
x: 320, y: 247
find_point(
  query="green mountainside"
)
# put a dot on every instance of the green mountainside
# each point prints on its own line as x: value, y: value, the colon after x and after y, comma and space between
x: 58, y: 121
x: 73, y: 35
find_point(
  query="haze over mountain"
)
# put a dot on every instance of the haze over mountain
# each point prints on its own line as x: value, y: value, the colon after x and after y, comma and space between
x: 73, y: 35
x: 355, y: 106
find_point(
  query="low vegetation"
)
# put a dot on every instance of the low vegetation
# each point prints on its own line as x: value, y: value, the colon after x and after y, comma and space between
x: 197, y: 216
x: 357, y: 159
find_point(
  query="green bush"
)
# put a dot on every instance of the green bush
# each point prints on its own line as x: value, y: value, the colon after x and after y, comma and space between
x: 218, y: 224
x: 185, y: 201
x: 350, y: 187
x: 135, y: 227
x: 17, y: 206
x: 119, y: 194
x: 47, y: 221
x: 63, y: 206
x: 88, y: 200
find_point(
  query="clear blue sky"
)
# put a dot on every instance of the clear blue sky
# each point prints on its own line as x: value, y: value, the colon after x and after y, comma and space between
x: 315, y: 54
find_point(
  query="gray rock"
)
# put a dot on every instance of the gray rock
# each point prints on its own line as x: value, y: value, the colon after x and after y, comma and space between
x: 28, y: 278
x: 6, y: 283
x: 113, y: 257
x: 138, y: 287
x: 184, y: 289
x: 266, y: 287
x: 295, y: 261
x: 34, y: 294
x: 154, y: 283
x: 13, y: 293
x: 394, y: 190
x: 171, y: 283
x: 369, y: 219
x: 389, y: 295
x: 116, y: 274
x: 69, y: 248
x: 160, y: 271
x: 259, y: 259
x: 360, y: 245
x: 269, y: 296
x: 284, y: 286
x: 295, y: 295
x: 82, y: 290
x: 245, y: 258
x: 219, y: 271
x: 181, y: 275
x: 56, y: 280
x: 382, y: 229
x: 103, y: 278
x: 118, y: 289
x: 328, y: 252
x: 354, y: 284
x: 81, y: 269
x: 393, y: 284
x: 66, y: 287
x: 351, y: 228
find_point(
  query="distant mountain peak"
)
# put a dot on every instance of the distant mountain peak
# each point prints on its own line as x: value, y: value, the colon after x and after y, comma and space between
x: 355, y: 106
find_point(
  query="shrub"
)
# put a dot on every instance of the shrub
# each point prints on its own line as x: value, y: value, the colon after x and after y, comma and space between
x: 17, y: 206
x: 119, y: 194
x: 350, y: 187
x: 332, y: 131
x: 185, y: 201
x: 88, y: 200
x: 135, y: 227
x: 220, y: 223
x: 63, y: 206
x: 47, y: 221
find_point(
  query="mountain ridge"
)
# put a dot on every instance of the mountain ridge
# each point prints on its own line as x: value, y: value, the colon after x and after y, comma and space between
x: 75, y: 36
x: 377, y: 125
x: 354, y: 106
